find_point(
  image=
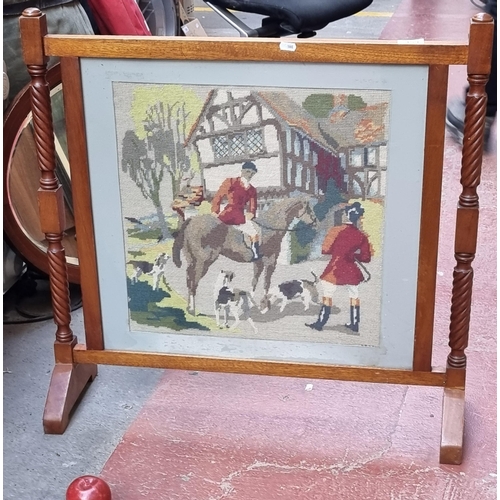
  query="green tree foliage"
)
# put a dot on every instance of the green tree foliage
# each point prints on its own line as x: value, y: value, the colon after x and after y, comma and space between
x: 321, y: 105
x: 355, y: 102
x: 318, y: 105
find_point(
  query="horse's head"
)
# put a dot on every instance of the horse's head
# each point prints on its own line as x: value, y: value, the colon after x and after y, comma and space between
x: 285, y: 213
x: 300, y: 209
x: 307, y: 215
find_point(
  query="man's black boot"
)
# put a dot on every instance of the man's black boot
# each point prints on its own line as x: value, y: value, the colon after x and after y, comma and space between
x: 324, y: 314
x: 354, y: 324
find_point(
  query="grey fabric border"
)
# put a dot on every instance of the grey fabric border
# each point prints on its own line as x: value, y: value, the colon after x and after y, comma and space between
x: 403, y: 202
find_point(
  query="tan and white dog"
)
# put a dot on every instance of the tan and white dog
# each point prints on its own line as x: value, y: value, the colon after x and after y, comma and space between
x: 155, y: 269
x: 303, y: 290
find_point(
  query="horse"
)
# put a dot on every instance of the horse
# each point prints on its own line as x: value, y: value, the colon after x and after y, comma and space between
x: 204, y: 237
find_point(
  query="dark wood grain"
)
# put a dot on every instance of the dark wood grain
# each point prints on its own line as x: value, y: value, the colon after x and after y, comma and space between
x: 252, y: 367
x: 478, y: 68
x: 80, y: 183
x: 451, y: 451
x: 429, y: 219
x: 66, y: 385
x: 33, y: 27
x: 250, y: 49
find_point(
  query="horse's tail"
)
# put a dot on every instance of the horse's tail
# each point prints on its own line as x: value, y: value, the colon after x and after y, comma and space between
x: 178, y: 244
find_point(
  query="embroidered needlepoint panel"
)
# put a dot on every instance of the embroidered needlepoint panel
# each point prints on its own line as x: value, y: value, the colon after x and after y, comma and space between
x: 253, y: 212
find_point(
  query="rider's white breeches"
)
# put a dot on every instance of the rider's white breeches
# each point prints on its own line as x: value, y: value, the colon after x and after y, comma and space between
x: 249, y: 228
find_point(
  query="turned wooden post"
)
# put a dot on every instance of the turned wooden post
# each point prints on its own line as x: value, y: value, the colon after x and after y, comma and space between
x: 68, y: 379
x: 50, y: 194
x: 478, y: 69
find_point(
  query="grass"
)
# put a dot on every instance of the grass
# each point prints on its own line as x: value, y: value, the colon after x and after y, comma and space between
x: 164, y: 308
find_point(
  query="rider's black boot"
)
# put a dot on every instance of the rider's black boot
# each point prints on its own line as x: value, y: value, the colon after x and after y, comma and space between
x: 255, y: 250
x: 324, y: 314
x: 354, y: 324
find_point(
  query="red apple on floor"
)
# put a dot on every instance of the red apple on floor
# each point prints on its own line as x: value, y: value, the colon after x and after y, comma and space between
x: 88, y: 488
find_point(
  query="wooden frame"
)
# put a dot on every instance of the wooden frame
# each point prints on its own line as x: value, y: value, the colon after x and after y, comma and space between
x: 76, y: 363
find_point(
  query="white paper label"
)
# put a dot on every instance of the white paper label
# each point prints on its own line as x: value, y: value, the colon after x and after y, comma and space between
x: 290, y: 46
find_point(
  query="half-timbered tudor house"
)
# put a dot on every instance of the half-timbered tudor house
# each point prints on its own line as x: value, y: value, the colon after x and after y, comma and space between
x: 294, y: 151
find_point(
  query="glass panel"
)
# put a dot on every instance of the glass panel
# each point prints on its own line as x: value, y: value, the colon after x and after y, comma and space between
x: 289, y: 171
x: 357, y: 157
x: 296, y: 146
x: 255, y: 143
x: 307, y: 149
x: 298, y: 175
x: 237, y: 145
x: 288, y: 141
x: 371, y: 156
x: 221, y: 147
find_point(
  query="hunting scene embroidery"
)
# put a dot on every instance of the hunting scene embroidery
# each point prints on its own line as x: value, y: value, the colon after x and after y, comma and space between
x: 253, y: 212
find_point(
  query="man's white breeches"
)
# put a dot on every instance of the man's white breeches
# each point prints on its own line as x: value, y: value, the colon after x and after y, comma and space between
x: 329, y: 290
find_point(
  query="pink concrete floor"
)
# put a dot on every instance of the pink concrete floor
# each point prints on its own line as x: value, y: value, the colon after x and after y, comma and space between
x: 219, y: 436
x: 209, y: 436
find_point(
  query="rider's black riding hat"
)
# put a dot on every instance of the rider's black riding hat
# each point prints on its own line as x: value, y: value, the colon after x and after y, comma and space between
x: 248, y: 165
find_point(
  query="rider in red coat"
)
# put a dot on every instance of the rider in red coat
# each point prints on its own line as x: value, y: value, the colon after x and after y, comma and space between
x: 347, y: 245
x: 241, y: 207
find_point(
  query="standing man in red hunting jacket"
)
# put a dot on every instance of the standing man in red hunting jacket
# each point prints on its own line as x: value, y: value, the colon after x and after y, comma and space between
x: 241, y: 205
x: 347, y: 245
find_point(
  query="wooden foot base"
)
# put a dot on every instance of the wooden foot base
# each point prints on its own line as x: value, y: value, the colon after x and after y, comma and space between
x: 66, y: 385
x: 452, y: 431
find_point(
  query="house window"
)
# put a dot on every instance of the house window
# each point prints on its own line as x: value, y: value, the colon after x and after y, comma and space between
x: 221, y: 147
x: 255, y: 141
x: 307, y: 149
x: 357, y: 157
x: 296, y: 146
x: 315, y: 158
x: 298, y: 175
x: 288, y: 141
x: 239, y: 145
x: 308, y: 179
x: 343, y: 162
x: 289, y: 172
x: 371, y: 156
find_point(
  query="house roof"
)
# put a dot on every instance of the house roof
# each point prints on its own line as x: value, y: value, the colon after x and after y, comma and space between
x: 203, y: 112
x: 343, y: 128
x: 295, y: 116
x: 358, y: 127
